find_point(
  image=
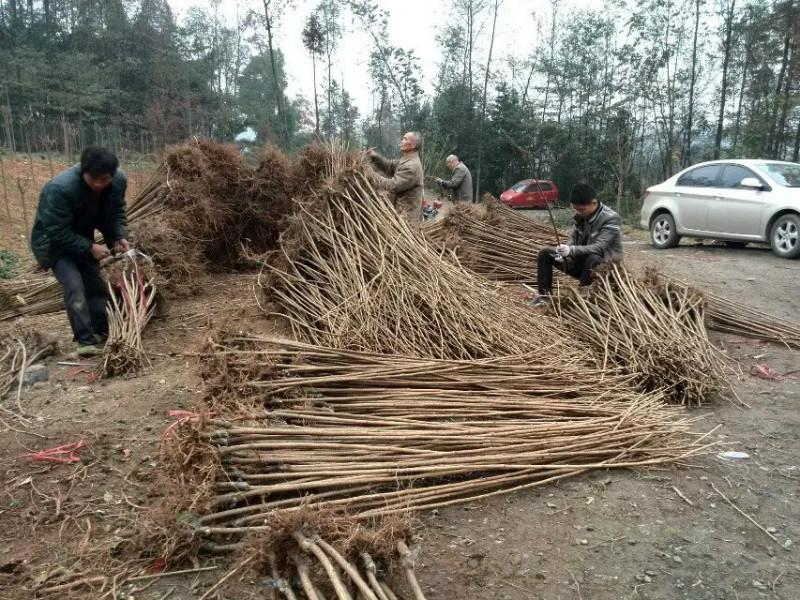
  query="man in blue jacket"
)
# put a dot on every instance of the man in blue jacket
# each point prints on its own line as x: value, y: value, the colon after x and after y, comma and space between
x: 596, y: 239
x: 86, y: 197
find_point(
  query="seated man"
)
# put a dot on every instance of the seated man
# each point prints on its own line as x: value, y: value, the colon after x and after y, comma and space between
x: 596, y: 239
x: 87, y: 197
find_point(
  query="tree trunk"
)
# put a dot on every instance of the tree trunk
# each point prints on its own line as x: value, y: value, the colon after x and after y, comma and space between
x: 787, y: 88
x: 268, y: 22
x: 738, y: 123
x: 329, y: 90
x: 796, y: 153
x: 483, y: 101
x: 774, y: 116
x: 724, y: 84
x: 554, y: 4
x: 470, y: 43
x: 316, y: 102
x: 687, y: 155
x: 5, y: 189
x: 8, y: 120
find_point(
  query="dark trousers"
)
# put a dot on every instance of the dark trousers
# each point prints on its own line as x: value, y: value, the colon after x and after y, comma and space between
x: 85, y: 297
x: 580, y: 267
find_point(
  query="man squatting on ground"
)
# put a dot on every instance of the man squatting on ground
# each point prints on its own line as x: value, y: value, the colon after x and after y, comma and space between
x: 85, y: 197
x: 460, y: 181
x: 596, y: 239
x: 403, y: 176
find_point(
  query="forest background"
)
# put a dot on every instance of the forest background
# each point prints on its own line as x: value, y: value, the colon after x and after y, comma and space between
x: 621, y: 94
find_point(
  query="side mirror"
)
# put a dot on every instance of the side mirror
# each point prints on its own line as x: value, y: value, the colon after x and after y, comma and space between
x: 751, y: 182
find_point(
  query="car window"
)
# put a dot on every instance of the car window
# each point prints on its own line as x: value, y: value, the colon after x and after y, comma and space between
x: 546, y: 187
x: 518, y: 187
x: 784, y: 174
x: 733, y: 174
x: 535, y: 187
x: 700, y: 177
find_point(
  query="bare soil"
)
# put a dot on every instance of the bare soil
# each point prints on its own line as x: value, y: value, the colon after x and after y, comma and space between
x: 649, y: 534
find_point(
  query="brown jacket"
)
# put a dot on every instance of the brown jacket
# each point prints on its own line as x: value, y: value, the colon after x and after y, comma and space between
x: 404, y: 179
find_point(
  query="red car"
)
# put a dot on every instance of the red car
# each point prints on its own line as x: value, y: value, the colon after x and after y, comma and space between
x: 530, y: 193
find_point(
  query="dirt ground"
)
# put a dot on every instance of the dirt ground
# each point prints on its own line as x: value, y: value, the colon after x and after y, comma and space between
x: 647, y: 534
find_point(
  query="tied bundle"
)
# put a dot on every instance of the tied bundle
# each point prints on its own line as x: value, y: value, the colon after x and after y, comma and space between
x: 29, y: 294
x: 491, y: 239
x: 650, y: 328
x: 377, y: 435
x: 351, y: 273
x: 132, y: 293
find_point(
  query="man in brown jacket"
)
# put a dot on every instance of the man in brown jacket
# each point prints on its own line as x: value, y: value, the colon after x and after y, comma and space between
x: 403, y: 176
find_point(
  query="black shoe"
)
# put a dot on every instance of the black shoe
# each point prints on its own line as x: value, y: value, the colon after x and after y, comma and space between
x: 539, y: 302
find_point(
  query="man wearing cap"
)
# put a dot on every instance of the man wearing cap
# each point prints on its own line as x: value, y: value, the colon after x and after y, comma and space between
x: 596, y: 239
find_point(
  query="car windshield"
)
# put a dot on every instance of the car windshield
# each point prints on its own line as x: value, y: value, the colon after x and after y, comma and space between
x: 519, y: 187
x: 784, y: 173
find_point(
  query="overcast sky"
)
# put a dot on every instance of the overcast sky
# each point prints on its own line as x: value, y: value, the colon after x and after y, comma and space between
x: 413, y: 24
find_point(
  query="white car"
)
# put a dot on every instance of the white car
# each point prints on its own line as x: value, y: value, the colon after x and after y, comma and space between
x: 738, y: 201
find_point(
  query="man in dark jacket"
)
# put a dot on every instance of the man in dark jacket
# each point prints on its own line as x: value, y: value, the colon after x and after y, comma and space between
x: 403, y: 177
x: 86, y: 197
x: 596, y: 239
x: 460, y: 181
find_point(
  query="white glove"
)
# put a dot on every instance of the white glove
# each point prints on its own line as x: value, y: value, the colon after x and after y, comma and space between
x: 563, y: 250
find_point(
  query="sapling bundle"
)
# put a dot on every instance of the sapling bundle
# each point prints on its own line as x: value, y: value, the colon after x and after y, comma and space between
x: 492, y: 240
x: 649, y: 328
x: 374, y: 435
x: 352, y: 273
x: 132, y: 295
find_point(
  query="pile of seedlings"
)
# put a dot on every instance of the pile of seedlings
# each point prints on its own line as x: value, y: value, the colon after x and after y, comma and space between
x: 29, y: 294
x: 203, y: 210
x: 301, y: 550
x: 650, y: 328
x: 727, y: 316
x: 132, y: 302
x: 377, y: 435
x: 491, y: 239
x: 351, y: 274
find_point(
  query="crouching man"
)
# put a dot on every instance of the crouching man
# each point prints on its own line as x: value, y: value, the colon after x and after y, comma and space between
x: 86, y: 197
x: 596, y: 239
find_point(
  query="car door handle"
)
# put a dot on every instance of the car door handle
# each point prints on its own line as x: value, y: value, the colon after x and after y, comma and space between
x: 677, y: 194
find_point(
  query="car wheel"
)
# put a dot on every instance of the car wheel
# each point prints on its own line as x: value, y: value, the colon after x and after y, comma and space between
x: 662, y: 231
x: 784, y: 237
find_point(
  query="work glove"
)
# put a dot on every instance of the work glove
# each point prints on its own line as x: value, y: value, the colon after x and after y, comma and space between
x: 438, y: 180
x: 563, y: 250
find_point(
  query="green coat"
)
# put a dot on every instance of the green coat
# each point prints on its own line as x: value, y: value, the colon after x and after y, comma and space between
x: 68, y: 216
